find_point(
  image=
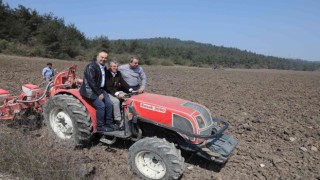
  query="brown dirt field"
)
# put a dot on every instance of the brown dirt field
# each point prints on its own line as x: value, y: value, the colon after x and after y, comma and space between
x: 275, y: 116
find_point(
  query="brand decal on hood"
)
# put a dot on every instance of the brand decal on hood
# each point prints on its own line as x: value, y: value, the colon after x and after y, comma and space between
x: 153, y: 108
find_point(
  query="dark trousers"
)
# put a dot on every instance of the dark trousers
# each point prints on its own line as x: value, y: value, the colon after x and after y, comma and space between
x: 103, y: 110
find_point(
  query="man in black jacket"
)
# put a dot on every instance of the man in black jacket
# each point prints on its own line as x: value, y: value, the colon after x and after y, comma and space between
x: 93, y: 88
x: 116, y: 87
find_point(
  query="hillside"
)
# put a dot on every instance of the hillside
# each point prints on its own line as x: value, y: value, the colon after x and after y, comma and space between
x: 199, y: 54
x: 24, y: 31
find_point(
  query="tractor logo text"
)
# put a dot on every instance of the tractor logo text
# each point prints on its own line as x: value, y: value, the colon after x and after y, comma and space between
x: 153, y: 108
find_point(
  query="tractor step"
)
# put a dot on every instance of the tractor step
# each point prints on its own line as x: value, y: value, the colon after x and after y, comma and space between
x: 119, y: 134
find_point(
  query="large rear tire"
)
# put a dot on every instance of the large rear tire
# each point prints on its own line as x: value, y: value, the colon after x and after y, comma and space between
x: 154, y: 158
x: 68, y: 120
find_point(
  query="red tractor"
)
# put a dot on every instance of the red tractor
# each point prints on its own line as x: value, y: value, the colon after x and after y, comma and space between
x: 159, y: 125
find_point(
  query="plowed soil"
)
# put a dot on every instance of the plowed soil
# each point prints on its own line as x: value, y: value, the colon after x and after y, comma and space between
x: 275, y: 116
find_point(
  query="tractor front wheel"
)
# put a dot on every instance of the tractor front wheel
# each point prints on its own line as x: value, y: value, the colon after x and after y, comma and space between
x: 154, y: 158
x: 68, y: 120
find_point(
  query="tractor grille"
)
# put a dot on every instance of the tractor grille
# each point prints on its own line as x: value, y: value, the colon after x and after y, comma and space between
x: 206, y: 132
x: 206, y: 115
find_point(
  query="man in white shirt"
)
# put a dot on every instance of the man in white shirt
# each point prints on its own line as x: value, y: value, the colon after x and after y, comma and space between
x: 93, y: 88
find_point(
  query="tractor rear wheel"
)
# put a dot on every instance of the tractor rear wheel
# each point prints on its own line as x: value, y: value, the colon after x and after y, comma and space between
x: 154, y: 158
x: 68, y: 120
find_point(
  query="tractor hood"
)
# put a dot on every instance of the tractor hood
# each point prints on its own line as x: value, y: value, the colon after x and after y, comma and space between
x: 170, y: 110
x: 162, y: 103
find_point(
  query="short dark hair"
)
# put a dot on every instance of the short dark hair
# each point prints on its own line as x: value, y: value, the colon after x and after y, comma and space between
x: 132, y: 58
x: 49, y: 64
x: 104, y: 50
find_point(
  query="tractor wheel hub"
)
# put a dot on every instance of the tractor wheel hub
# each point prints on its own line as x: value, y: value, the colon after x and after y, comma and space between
x: 61, y: 124
x: 150, y: 165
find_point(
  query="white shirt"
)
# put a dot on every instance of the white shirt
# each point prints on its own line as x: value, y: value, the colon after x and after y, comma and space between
x: 114, y: 74
x: 103, y: 75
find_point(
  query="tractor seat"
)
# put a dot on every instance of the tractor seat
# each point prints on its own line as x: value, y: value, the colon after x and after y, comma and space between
x: 4, y: 92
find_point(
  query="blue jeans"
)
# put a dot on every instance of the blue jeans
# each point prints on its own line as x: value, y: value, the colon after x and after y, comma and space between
x: 103, y: 110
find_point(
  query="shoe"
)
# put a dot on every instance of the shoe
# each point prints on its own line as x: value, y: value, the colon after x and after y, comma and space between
x: 118, y: 122
x: 115, y: 127
x: 101, y: 129
x: 104, y: 129
x: 109, y: 129
x: 121, y: 128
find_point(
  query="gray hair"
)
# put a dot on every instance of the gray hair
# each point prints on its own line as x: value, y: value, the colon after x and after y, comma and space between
x: 113, y: 62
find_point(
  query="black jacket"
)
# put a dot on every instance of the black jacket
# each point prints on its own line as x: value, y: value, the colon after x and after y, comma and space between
x: 117, y: 83
x: 90, y: 87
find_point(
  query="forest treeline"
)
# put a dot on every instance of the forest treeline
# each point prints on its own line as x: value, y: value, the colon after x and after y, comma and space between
x: 24, y: 31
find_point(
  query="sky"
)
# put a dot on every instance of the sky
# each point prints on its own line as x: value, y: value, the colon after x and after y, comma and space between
x: 282, y: 28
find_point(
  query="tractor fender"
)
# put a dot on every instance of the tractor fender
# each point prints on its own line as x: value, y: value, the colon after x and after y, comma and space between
x: 85, y: 102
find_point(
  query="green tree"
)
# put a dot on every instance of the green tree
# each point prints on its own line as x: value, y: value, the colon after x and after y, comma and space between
x: 133, y: 46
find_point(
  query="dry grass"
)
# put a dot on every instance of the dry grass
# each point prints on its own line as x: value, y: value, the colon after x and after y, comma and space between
x: 35, y: 157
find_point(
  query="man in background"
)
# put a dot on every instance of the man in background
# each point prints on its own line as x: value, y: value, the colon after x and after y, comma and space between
x: 134, y: 75
x: 48, y: 72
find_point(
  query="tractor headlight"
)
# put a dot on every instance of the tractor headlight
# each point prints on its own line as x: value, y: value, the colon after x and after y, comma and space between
x: 200, y: 121
x: 205, y: 114
x: 182, y: 123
